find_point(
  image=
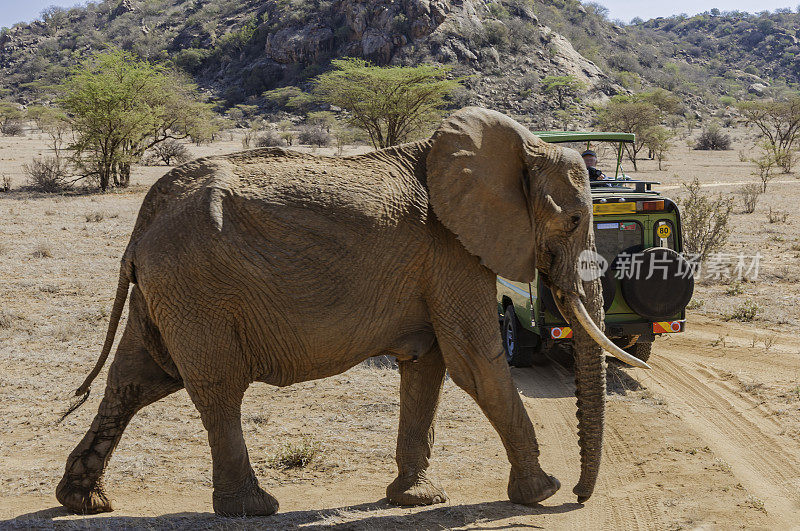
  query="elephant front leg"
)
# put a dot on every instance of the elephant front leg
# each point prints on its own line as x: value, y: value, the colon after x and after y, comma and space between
x: 488, y: 381
x: 474, y: 357
x: 420, y: 388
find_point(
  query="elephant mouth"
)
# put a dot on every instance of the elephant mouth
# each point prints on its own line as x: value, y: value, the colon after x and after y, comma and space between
x: 579, y: 313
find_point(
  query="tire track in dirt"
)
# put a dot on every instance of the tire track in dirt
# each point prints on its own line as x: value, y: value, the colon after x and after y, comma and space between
x: 553, y: 391
x: 736, y: 432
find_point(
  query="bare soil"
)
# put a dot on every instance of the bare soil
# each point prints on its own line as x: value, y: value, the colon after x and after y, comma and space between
x: 710, y: 438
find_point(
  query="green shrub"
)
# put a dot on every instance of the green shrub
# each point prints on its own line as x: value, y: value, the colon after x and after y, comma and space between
x: 745, y: 312
x: 705, y: 220
x: 713, y: 139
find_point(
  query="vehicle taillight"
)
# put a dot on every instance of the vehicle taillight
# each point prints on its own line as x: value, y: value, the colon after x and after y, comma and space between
x: 649, y: 206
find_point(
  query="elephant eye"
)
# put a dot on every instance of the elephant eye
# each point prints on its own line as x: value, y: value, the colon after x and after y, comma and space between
x: 575, y: 220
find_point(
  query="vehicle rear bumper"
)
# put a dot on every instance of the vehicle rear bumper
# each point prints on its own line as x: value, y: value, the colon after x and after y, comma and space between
x: 620, y: 330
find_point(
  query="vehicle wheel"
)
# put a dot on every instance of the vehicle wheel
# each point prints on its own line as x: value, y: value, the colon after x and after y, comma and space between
x: 522, y: 347
x: 640, y: 350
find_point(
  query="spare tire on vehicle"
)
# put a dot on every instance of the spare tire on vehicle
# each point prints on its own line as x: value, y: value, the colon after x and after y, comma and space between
x: 660, y: 285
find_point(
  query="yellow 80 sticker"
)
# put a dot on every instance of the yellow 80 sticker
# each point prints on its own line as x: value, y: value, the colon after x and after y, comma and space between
x: 664, y: 231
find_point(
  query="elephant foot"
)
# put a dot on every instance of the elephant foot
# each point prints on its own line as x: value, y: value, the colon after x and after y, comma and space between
x: 250, y: 501
x: 531, y: 489
x: 415, y: 490
x: 76, y: 496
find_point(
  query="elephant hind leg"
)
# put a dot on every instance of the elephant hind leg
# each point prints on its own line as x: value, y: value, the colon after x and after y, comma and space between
x: 212, y: 365
x: 134, y: 381
x: 236, y: 489
x: 420, y: 388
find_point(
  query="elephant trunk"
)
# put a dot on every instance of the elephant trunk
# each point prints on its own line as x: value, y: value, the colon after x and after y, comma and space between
x: 590, y: 389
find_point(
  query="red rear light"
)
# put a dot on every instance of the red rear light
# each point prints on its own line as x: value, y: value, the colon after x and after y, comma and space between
x: 649, y: 206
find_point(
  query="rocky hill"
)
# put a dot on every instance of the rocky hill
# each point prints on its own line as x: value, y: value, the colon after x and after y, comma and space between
x: 237, y: 49
x: 743, y: 51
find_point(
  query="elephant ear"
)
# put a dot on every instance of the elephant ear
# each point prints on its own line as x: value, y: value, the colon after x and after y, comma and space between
x: 478, y: 181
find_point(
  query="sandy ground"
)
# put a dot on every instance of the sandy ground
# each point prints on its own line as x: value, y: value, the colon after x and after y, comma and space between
x: 709, y: 439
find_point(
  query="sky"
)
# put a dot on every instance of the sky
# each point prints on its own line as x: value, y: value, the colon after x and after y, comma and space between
x: 13, y: 11
x: 628, y: 9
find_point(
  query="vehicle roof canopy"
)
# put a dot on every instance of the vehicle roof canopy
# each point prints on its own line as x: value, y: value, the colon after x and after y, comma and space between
x: 554, y: 137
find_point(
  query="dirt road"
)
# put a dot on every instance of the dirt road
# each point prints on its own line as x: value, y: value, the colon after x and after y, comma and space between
x: 707, y: 439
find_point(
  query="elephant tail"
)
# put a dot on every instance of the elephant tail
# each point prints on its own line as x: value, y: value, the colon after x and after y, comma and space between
x: 125, y: 279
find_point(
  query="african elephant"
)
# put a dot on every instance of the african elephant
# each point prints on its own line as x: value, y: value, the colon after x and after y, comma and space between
x: 391, y: 252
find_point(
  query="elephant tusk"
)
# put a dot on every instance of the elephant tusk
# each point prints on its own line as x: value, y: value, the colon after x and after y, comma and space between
x: 582, y: 316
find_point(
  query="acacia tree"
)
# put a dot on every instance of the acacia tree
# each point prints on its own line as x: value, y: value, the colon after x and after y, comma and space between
x: 630, y: 115
x: 119, y: 106
x: 563, y: 87
x: 10, y: 118
x: 392, y: 104
x: 779, y: 124
x: 658, y: 141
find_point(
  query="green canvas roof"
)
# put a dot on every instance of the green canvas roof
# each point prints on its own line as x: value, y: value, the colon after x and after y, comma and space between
x: 574, y: 136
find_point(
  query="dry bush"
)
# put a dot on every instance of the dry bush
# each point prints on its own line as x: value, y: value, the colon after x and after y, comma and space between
x: 770, y: 157
x: 777, y: 216
x: 695, y: 304
x: 713, y: 139
x: 5, y: 183
x: 734, y: 289
x: 12, y: 128
x: 150, y: 159
x: 247, y: 139
x: 344, y: 136
x: 6, y: 319
x: 315, y: 136
x: 269, y: 138
x: 705, y: 220
x: 63, y: 333
x: 43, y: 250
x: 47, y: 174
x: 94, y: 217
x: 745, y: 312
x: 295, y: 455
x: 288, y: 137
x: 172, y: 153
x: 749, y: 194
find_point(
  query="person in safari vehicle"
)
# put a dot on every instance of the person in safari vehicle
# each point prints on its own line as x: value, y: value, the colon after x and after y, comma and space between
x: 590, y: 159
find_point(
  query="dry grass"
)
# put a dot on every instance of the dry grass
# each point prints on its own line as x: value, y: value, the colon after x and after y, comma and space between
x: 296, y: 455
x: 94, y: 217
x: 6, y: 319
x: 43, y: 250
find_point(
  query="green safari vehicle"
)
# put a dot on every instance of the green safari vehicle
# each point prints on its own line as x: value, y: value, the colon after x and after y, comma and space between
x: 646, y: 281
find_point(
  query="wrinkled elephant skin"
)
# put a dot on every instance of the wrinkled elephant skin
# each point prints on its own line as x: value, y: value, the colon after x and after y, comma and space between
x: 393, y: 252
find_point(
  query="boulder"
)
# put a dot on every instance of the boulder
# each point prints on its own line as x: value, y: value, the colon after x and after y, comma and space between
x: 299, y: 45
x: 491, y: 56
x: 376, y: 46
x: 126, y: 6
x: 758, y: 89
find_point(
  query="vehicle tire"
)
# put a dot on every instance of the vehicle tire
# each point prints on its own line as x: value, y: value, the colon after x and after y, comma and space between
x: 662, y: 289
x: 522, y: 347
x: 640, y: 350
